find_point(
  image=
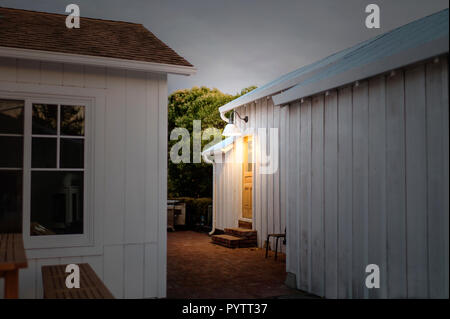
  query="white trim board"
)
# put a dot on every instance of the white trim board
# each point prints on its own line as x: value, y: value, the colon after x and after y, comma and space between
x: 402, y: 59
x: 95, y: 61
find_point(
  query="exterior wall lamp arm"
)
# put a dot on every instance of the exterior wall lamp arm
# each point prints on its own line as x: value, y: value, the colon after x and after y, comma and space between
x: 245, y: 119
x: 231, y: 129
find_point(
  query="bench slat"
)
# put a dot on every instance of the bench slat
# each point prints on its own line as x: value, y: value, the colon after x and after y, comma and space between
x: 91, y: 287
x: 12, y: 252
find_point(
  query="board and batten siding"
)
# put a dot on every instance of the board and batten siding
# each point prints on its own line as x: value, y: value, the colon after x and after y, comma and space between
x: 130, y: 173
x: 367, y: 183
x: 269, y: 204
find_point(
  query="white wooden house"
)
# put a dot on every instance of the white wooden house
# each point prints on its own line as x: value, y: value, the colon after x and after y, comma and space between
x: 362, y: 166
x: 83, y: 147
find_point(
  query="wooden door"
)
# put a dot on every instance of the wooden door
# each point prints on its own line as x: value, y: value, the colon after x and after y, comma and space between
x: 247, y: 179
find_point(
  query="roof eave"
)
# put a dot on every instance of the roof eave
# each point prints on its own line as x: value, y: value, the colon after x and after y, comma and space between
x: 51, y: 56
x: 407, y: 57
x: 287, y: 84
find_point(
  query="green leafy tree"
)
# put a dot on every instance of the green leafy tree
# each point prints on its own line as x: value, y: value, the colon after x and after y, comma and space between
x: 185, y: 106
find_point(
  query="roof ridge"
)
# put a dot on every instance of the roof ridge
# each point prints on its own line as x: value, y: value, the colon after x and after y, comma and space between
x: 65, y: 15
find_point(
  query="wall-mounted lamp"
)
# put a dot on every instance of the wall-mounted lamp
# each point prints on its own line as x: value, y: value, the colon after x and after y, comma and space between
x: 231, y: 129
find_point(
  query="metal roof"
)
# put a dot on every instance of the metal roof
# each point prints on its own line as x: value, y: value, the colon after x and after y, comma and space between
x: 401, y: 40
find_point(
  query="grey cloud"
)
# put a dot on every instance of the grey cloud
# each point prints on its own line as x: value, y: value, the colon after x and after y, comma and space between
x: 235, y: 44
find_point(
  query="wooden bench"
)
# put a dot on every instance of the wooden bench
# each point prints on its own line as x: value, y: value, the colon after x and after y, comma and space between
x: 12, y: 258
x: 91, y: 287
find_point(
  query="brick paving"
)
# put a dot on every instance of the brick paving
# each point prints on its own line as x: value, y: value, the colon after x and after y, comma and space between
x: 196, y: 268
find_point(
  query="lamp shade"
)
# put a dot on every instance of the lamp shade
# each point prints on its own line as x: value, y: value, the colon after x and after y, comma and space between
x: 231, y: 130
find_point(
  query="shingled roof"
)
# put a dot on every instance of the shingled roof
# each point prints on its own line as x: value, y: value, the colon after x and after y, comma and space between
x: 102, y: 38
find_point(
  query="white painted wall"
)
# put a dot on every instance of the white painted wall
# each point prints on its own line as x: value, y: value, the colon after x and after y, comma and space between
x: 269, y: 205
x: 130, y: 173
x: 368, y: 183
x: 363, y: 179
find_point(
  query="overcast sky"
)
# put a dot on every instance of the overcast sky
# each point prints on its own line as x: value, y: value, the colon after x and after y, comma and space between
x: 238, y: 43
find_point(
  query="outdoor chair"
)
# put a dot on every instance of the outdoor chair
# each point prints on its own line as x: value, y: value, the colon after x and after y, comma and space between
x: 277, y: 237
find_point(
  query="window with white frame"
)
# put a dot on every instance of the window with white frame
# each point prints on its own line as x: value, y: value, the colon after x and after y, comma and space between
x: 54, y: 175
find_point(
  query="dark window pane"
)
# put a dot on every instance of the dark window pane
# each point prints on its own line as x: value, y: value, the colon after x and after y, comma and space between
x: 44, y: 119
x: 10, y: 201
x: 11, y: 151
x: 11, y: 117
x: 72, y: 120
x: 43, y: 152
x: 72, y: 153
x: 56, y: 203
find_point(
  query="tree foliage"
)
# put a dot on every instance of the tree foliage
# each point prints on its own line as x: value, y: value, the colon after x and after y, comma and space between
x: 185, y: 106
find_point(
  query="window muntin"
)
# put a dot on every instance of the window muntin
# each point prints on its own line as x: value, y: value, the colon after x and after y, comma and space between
x: 57, y: 169
x: 11, y: 164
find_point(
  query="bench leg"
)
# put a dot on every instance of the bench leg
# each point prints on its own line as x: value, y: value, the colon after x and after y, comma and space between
x: 267, y: 245
x: 276, y: 248
x: 12, y: 284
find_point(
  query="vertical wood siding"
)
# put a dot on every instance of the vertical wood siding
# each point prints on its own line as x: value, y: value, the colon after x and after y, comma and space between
x: 345, y: 189
x: 317, y: 197
x: 368, y: 184
x: 269, y: 193
x: 130, y: 174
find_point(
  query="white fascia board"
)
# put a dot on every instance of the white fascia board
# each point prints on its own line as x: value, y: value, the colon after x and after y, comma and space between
x: 95, y: 61
x: 426, y: 51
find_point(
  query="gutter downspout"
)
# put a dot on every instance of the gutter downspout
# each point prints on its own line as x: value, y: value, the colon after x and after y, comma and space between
x: 224, y: 118
x: 214, y: 205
